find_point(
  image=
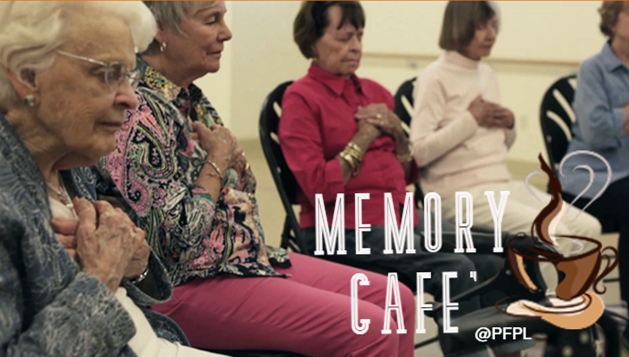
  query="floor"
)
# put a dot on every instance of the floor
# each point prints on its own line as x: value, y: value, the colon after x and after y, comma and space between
x: 272, y: 215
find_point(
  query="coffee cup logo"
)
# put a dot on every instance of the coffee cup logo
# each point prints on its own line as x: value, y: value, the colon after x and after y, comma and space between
x: 572, y: 306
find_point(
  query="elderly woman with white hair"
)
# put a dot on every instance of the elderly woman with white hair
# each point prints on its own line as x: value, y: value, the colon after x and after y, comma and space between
x: 73, y: 271
x: 181, y: 174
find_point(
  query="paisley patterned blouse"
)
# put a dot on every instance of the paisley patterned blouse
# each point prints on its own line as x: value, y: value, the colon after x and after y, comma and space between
x: 152, y: 172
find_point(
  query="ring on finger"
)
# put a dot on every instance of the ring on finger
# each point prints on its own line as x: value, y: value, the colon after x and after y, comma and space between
x: 378, y: 116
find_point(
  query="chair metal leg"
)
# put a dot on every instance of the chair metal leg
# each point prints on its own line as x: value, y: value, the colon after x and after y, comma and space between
x: 426, y: 343
x: 286, y: 234
x: 611, y: 280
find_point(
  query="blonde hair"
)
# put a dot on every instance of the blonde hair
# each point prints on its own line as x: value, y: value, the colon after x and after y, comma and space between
x: 170, y: 13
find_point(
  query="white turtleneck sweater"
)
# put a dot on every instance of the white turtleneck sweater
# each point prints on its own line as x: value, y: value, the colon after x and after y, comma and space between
x: 454, y: 152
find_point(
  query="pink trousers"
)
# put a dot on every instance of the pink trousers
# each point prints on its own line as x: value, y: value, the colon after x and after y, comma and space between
x: 308, y: 313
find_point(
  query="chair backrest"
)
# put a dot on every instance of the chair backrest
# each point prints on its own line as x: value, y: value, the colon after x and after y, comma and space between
x: 404, y: 103
x: 282, y: 176
x: 556, y: 118
x: 404, y: 110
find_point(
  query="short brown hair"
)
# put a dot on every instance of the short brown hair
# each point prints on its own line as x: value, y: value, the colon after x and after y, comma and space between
x: 460, y: 22
x: 312, y: 21
x: 609, y: 16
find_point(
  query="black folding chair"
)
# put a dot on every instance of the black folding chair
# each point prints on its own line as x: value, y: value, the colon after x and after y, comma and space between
x: 557, y: 117
x: 404, y: 110
x: 285, y: 182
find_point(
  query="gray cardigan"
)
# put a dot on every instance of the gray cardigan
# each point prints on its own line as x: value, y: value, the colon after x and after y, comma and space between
x: 48, y: 307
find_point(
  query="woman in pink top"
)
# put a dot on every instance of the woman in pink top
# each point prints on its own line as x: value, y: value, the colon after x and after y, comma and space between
x: 461, y: 133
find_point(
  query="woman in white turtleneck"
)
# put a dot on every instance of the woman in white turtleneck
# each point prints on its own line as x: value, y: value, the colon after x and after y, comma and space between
x: 461, y: 134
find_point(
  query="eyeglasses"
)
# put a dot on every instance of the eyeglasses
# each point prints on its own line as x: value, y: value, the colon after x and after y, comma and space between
x: 114, y: 73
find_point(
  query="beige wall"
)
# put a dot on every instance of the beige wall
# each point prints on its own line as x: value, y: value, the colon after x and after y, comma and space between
x: 560, y: 30
x: 262, y: 55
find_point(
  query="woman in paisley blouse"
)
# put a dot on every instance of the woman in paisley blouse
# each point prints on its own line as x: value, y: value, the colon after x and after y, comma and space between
x: 73, y: 272
x: 183, y: 177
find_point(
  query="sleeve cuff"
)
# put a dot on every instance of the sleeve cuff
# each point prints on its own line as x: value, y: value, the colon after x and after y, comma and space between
x: 200, y: 193
x: 619, y: 123
x: 164, y: 288
x: 231, y: 178
x: 334, y: 178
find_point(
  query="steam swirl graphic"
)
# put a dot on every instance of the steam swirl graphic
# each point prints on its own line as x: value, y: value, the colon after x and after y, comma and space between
x: 571, y: 306
x: 548, y: 218
x: 545, y: 221
x: 591, y: 172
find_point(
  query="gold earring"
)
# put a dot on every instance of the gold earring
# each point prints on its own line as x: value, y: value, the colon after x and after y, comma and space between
x: 30, y: 100
x: 162, y: 47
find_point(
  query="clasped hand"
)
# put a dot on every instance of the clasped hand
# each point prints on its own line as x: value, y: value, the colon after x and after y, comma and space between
x: 104, y: 241
x: 381, y: 118
x: 221, y: 146
x: 491, y: 115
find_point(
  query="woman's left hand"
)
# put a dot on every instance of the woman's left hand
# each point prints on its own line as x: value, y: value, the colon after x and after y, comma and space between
x: 195, y: 137
x: 502, y: 117
x: 240, y: 164
x: 383, y: 118
x: 65, y: 229
x: 140, y: 260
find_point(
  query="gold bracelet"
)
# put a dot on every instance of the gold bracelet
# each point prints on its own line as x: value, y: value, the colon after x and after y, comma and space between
x: 215, y: 167
x: 350, y: 160
x: 354, y: 150
x: 354, y: 165
x: 353, y: 162
x: 218, y: 174
x: 353, y: 155
x: 352, y: 146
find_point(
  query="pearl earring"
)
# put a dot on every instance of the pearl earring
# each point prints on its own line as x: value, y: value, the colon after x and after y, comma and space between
x: 162, y: 47
x: 30, y: 100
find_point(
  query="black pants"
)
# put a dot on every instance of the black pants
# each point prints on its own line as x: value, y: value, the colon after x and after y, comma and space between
x: 612, y: 210
x: 407, y: 265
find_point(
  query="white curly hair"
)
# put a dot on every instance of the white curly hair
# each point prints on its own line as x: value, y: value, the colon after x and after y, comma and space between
x: 31, y: 32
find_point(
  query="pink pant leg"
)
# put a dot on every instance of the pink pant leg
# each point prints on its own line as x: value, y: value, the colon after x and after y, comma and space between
x: 309, y: 270
x: 308, y: 313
